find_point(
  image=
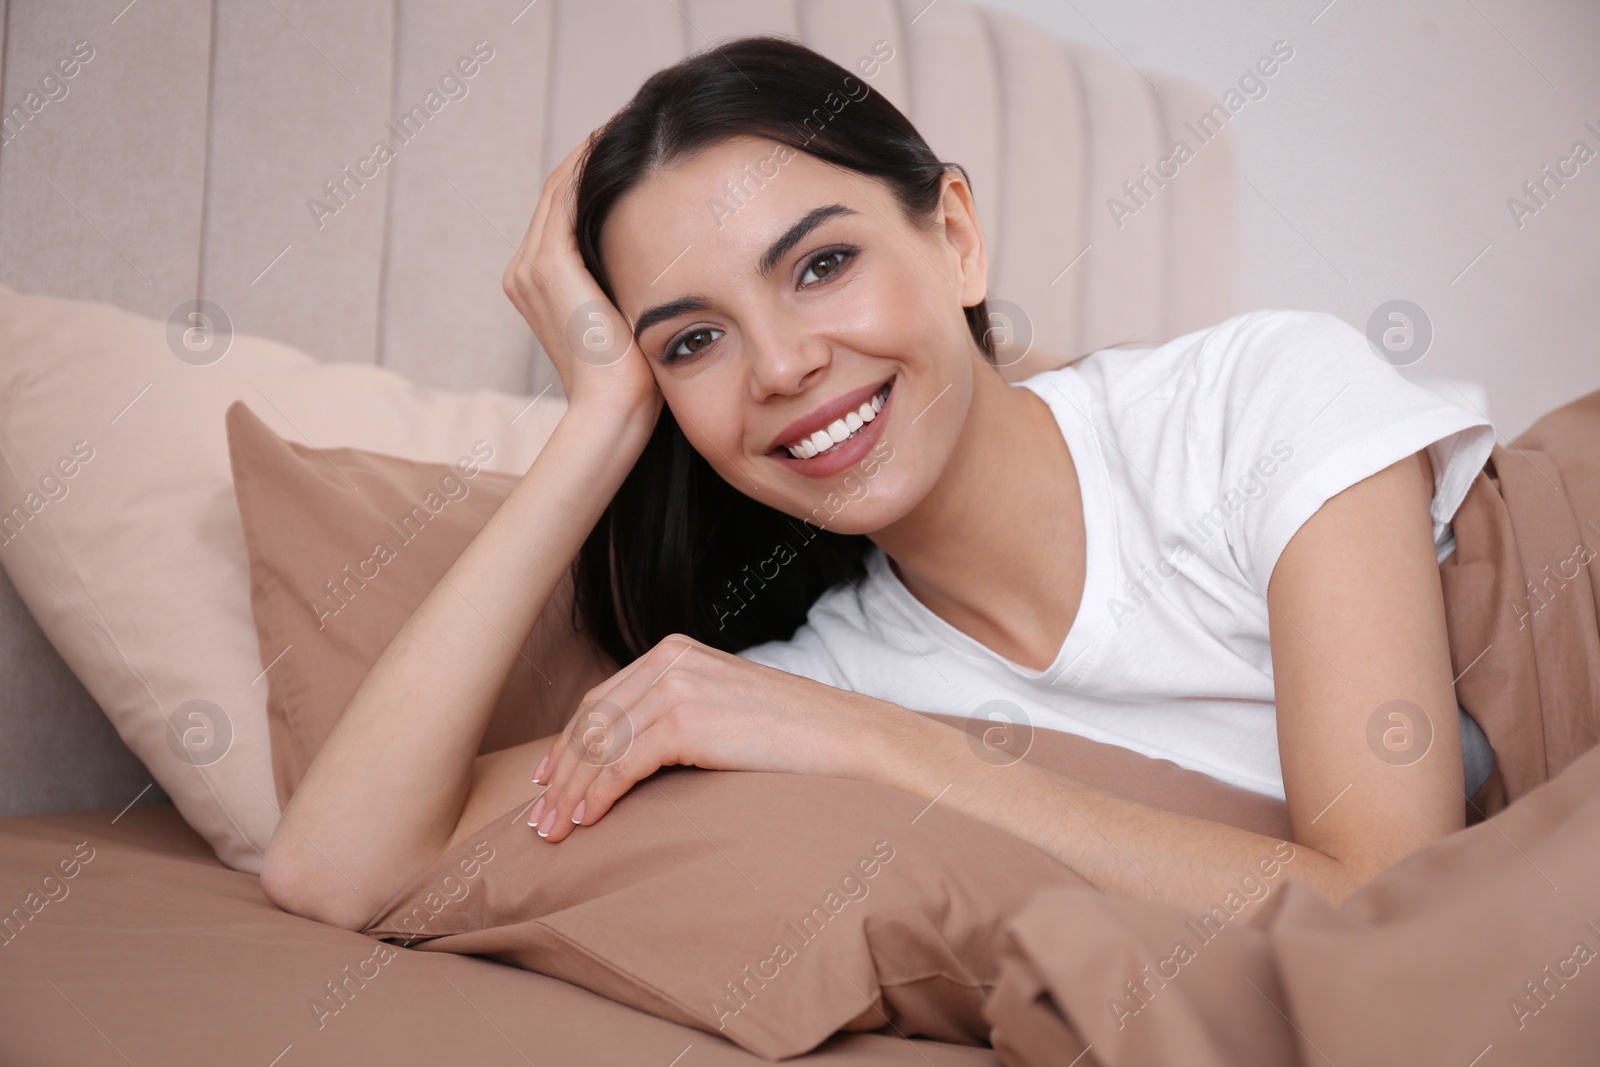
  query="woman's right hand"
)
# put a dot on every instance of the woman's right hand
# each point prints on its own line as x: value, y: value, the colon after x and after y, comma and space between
x: 580, y: 329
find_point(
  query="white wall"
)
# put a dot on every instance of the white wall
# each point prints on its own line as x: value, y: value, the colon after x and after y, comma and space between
x: 1379, y: 164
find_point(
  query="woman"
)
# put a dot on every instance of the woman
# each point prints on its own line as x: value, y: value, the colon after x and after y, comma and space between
x: 767, y: 310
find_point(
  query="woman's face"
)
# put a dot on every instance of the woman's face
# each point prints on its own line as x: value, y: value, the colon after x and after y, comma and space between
x: 771, y: 292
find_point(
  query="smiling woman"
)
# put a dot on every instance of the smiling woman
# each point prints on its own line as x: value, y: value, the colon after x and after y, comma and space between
x: 829, y: 344
x: 845, y: 246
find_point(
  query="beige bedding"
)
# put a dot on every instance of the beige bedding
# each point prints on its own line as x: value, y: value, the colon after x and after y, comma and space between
x: 777, y: 909
x: 1480, y: 949
x: 134, y: 944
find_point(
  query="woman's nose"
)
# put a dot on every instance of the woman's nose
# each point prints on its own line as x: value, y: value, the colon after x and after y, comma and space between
x: 784, y: 359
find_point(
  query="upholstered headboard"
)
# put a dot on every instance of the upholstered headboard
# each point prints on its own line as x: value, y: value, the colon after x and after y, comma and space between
x: 229, y: 152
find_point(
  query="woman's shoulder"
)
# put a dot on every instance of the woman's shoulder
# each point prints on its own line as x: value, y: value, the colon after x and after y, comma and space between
x: 1264, y: 350
x: 1293, y: 337
x: 1266, y: 332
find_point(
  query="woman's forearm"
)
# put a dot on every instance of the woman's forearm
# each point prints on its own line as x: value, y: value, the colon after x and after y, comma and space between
x: 1115, y: 844
x: 388, y: 786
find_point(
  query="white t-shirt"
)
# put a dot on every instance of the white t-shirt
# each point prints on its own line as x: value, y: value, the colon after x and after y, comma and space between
x: 1197, y: 460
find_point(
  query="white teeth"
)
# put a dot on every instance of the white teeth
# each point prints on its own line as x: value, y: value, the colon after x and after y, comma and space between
x: 838, y: 431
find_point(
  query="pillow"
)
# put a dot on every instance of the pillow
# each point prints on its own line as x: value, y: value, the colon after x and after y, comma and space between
x: 344, y: 544
x: 776, y: 909
x: 123, y: 538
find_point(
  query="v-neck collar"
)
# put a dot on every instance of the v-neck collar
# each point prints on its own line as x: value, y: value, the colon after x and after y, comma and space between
x: 1069, y: 400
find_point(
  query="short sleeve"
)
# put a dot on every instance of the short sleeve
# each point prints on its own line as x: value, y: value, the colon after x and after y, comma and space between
x: 1309, y: 409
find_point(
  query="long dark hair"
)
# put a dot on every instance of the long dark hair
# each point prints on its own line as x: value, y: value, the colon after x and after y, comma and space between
x: 679, y: 550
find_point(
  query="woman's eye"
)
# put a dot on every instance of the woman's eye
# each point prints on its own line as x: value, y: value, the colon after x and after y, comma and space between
x: 834, y: 260
x: 819, y: 269
x: 692, y: 343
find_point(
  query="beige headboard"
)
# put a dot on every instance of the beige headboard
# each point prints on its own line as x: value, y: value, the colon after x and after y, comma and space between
x: 188, y: 154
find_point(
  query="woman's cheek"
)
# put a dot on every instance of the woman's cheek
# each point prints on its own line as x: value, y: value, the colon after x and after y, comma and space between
x: 700, y: 407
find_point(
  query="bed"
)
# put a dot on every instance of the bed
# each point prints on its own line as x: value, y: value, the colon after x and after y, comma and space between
x: 159, y: 946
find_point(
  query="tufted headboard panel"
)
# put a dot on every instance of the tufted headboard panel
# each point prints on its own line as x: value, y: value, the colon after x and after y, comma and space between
x: 228, y: 150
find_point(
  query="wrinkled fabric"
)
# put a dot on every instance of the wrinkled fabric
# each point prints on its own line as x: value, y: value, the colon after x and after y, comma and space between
x: 1520, y: 600
x: 778, y: 909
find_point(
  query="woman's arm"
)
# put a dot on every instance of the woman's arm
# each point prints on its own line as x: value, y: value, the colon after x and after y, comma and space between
x: 390, y: 786
x: 1357, y: 621
x: 387, y: 790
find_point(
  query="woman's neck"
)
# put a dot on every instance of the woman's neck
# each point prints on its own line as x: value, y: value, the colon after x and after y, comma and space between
x: 996, y: 548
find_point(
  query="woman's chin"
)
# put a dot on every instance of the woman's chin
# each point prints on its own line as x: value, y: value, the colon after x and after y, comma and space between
x: 842, y: 514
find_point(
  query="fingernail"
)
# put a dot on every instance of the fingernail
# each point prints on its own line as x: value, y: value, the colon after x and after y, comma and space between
x: 538, y: 772
x: 548, y: 823
x: 577, y: 812
x: 538, y: 810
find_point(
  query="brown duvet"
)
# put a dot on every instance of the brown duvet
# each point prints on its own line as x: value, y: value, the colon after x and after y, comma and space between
x: 1482, y: 948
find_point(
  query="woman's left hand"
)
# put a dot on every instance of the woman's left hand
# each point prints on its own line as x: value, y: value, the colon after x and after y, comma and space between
x: 684, y: 702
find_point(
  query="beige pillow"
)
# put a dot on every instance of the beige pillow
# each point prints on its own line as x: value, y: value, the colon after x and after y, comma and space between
x: 134, y: 563
x: 776, y: 909
x: 344, y: 544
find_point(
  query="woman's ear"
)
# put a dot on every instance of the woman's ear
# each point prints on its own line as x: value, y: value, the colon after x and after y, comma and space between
x: 959, y: 218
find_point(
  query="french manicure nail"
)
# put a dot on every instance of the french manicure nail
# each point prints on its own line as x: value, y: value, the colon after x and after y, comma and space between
x: 577, y: 812
x: 547, y: 823
x: 538, y: 772
x: 538, y: 810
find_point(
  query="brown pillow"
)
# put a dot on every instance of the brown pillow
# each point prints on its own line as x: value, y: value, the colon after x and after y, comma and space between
x: 343, y: 545
x: 776, y: 909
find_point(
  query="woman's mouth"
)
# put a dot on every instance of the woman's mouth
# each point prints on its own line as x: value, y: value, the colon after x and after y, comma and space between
x: 842, y: 443
x: 840, y: 430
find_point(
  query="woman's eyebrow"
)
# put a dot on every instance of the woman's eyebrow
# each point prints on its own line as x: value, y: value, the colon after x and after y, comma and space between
x: 769, y: 259
x: 797, y: 233
x: 670, y: 310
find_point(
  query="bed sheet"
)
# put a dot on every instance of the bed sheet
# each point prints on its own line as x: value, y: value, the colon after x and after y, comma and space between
x: 124, y: 940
